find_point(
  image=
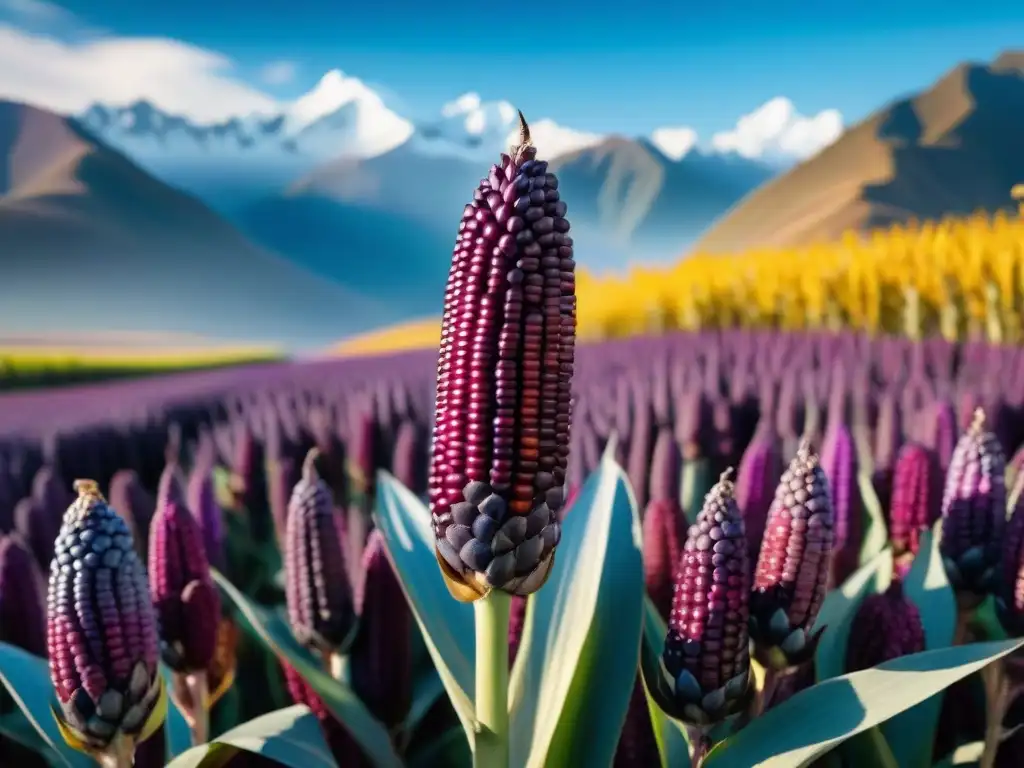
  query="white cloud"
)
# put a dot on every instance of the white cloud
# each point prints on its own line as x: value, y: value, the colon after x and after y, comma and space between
x: 674, y: 142
x: 69, y: 77
x: 776, y: 130
x: 279, y: 72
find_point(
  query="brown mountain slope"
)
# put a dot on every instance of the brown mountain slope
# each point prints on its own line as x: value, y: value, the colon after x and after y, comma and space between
x: 953, y: 149
x: 90, y: 242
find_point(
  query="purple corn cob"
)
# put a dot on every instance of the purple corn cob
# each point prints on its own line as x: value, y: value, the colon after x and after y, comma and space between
x: 22, y: 615
x: 916, y: 499
x: 516, y: 622
x: 101, y: 629
x: 281, y: 479
x: 343, y: 747
x: 974, y: 511
x: 664, y: 534
x: 706, y: 652
x: 1009, y: 595
x: 885, y: 627
x: 638, y: 747
x: 185, y: 597
x: 793, y: 567
x: 640, y: 445
x: 318, y: 591
x: 503, y: 383
x: 202, y: 502
x: 758, y: 476
x: 666, y: 465
x: 839, y: 462
x: 410, y: 457
x: 135, y: 505
x: 382, y: 653
x: 940, y: 428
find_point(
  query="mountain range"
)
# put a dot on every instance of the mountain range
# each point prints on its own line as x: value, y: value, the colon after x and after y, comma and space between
x: 336, y: 214
x: 953, y: 149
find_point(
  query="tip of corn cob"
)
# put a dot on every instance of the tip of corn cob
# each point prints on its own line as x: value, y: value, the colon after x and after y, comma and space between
x: 309, y: 470
x: 524, y: 131
x: 87, y: 489
x: 978, y: 421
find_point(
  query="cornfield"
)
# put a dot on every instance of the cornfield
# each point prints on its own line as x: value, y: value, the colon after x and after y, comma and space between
x: 961, y: 278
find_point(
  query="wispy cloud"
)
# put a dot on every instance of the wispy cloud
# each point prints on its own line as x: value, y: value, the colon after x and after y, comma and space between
x: 68, y: 77
x: 279, y: 72
x: 36, y: 10
x: 777, y: 130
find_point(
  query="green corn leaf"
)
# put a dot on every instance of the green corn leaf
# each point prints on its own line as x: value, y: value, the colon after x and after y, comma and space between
x: 426, y: 690
x: 27, y: 679
x: 15, y: 728
x: 447, y: 626
x: 671, y: 735
x: 569, y: 696
x: 450, y: 749
x: 694, y: 484
x: 912, y: 734
x: 365, y: 729
x: 839, y: 608
x: 290, y: 737
x: 876, y: 533
x: 815, y: 720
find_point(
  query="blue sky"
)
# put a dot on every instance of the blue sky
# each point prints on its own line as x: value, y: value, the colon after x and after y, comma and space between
x: 624, y: 67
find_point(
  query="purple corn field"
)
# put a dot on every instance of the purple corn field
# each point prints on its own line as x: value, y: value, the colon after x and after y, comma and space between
x: 762, y: 467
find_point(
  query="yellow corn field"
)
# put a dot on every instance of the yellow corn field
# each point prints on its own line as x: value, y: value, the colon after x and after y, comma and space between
x: 961, y: 278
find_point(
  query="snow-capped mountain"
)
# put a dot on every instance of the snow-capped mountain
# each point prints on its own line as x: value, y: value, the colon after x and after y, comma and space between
x: 341, y: 117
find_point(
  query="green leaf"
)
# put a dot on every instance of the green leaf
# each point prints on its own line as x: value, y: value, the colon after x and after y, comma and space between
x: 176, y: 730
x: 839, y: 608
x: 291, y: 737
x: 694, y: 484
x: 671, y: 735
x: 447, y: 625
x: 912, y: 734
x: 16, y: 728
x: 869, y: 748
x: 427, y: 689
x: 450, y: 750
x: 876, y: 533
x: 27, y: 679
x: 815, y: 720
x: 367, y: 731
x: 568, y: 699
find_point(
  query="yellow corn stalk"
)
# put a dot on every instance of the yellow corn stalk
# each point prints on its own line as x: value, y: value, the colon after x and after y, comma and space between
x: 955, y: 277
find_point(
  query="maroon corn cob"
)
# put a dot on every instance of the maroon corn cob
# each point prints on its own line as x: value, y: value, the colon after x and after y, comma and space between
x: 974, y: 511
x: 885, y: 627
x: 706, y: 651
x: 410, y: 457
x: 135, y: 505
x: 1009, y: 594
x: 916, y: 499
x: 516, y: 622
x: 343, y: 747
x: 666, y: 465
x: 185, y: 597
x: 793, y: 568
x: 22, y: 615
x: 202, y: 502
x: 664, y: 533
x: 317, y: 587
x: 638, y: 747
x: 101, y: 627
x: 382, y: 654
x: 839, y: 462
x: 503, y: 410
x: 756, y: 480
